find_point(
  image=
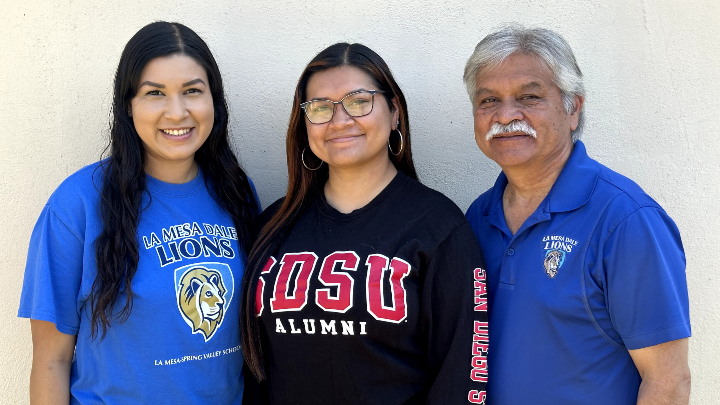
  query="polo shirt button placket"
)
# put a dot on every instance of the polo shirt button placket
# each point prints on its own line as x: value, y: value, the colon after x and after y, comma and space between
x: 511, y: 252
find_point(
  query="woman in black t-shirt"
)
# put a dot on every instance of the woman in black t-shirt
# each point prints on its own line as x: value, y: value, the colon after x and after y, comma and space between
x: 363, y: 286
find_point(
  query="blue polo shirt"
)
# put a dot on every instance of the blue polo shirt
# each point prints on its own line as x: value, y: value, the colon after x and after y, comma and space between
x: 598, y: 269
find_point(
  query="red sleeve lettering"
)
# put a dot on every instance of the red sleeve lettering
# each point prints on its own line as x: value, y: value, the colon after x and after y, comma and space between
x: 476, y: 397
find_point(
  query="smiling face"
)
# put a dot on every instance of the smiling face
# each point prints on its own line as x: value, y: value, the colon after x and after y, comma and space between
x: 173, y: 113
x: 521, y: 89
x: 349, y: 142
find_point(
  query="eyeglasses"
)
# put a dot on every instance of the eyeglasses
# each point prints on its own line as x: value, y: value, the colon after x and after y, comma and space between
x: 356, y: 104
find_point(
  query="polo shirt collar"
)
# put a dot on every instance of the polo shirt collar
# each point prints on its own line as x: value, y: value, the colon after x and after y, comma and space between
x: 493, y: 209
x: 576, y: 182
x: 571, y: 190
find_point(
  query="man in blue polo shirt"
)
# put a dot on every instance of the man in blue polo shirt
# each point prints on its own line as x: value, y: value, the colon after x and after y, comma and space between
x: 588, y: 298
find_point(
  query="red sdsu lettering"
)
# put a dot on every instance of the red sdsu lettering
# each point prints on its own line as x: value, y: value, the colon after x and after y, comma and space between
x: 344, y: 299
x: 282, y: 301
x: 377, y: 265
x: 261, y: 286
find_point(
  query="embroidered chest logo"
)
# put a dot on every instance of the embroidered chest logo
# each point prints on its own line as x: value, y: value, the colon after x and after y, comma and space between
x: 556, y: 248
x: 202, y: 296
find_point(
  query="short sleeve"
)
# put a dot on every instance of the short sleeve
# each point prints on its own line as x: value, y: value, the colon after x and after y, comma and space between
x: 53, y: 274
x: 647, y: 289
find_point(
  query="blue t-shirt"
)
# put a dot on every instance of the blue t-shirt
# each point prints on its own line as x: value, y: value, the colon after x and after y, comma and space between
x: 598, y: 269
x: 181, y: 341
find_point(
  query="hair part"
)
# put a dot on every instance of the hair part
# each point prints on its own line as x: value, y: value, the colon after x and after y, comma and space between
x: 123, y: 181
x: 305, y: 186
x: 547, y: 45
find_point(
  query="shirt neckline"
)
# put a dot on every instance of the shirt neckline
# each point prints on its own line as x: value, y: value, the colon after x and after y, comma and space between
x: 572, y: 189
x: 178, y: 190
x: 395, y: 184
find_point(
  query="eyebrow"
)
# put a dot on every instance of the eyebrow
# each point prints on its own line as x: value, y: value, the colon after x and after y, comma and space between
x: 482, y: 90
x: 191, y: 82
x: 524, y: 87
x: 153, y: 84
x: 327, y: 99
x: 162, y: 86
x: 531, y: 86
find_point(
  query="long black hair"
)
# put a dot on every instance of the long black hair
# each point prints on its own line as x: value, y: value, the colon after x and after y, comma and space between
x: 305, y: 185
x: 116, y: 249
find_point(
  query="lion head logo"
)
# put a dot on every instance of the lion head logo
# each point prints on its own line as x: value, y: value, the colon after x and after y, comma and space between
x: 553, y: 260
x: 201, y: 299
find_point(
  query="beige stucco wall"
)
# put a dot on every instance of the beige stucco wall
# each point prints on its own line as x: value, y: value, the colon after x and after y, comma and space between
x: 652, y: 69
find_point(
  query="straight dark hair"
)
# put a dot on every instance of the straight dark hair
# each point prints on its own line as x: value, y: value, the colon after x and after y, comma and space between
x: 304, y: 185
x: 116, y: 249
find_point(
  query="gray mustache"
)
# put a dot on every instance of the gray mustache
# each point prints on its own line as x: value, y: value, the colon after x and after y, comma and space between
x: 513, y: 126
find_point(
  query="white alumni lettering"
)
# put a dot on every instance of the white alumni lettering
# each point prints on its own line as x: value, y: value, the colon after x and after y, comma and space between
x: 326, y: 327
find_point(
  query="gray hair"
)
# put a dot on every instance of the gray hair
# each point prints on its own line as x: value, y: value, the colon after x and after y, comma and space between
x: 547, y: 45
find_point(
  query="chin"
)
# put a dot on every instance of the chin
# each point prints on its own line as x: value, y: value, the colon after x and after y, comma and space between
x: 344, y: 159
x: 342, y: 164
x: 511, y: 158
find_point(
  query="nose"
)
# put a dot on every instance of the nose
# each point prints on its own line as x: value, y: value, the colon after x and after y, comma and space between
x: 176, y: 108
x: 509, y: 110
x: 341, y: 118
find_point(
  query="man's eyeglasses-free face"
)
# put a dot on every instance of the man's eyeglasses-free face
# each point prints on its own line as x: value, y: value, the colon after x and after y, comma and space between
x: 356, y: 104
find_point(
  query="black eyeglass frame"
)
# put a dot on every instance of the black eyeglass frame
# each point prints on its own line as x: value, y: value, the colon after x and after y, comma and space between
x: 334, y: 103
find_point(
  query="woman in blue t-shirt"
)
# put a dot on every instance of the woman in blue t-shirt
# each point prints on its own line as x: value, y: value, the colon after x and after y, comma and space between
x: 136, y: 260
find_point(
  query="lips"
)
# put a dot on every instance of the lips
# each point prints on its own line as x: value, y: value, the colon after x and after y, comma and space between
x: 344, y: 138
x: 511, y: 135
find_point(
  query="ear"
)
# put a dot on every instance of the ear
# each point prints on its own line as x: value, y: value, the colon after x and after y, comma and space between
x: 575, y: 114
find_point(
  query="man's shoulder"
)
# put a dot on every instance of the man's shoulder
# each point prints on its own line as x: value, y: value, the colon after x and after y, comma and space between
x: 619, y: 203
x: 623, y: 190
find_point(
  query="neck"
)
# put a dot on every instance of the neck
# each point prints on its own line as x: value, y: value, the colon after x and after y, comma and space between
x: 527, y: 187
x: 172, y: 172
x: 349, y: 189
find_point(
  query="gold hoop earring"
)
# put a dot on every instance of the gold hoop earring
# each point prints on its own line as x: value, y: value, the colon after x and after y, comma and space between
x: 401, y: 143
x: 302, y: 158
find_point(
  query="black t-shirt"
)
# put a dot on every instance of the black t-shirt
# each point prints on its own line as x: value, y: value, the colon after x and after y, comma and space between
x: 384, y: 305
